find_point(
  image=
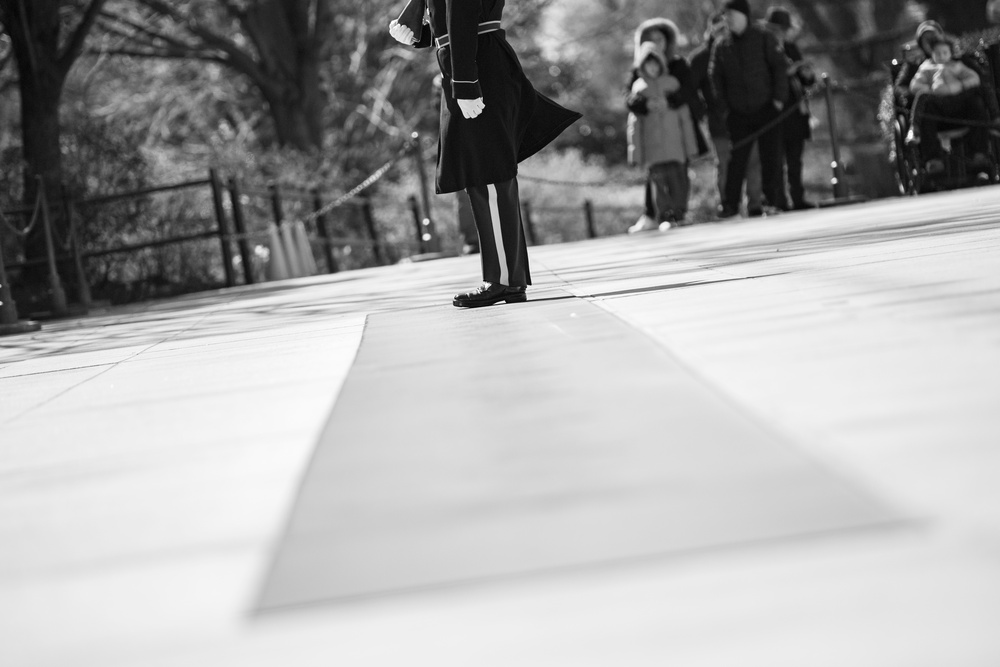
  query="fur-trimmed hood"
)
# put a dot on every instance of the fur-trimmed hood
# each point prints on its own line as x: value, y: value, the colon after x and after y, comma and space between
x: 665, y: 26
x: 646, y: 51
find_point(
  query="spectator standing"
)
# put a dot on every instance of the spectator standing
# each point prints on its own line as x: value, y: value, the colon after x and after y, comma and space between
x: 945, y: 87
x: 750, y: 82
x: 795, y: 129
x: 662, y: 139
x: 663, y: 34
x: 704, y: 106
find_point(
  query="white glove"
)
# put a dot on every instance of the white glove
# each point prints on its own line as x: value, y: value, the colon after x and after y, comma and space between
x: 471, y: 108
x: 401, y: 33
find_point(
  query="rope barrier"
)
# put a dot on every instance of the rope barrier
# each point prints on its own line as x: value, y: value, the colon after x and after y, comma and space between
x: 360, y: 187
x: 902, y: 109
x: 774, y: 122
x: 583, y: 184
x: 35, y: 217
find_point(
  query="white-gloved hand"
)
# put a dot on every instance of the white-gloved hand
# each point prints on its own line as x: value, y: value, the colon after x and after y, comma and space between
x: 401, y: 33
x: 471, y: 108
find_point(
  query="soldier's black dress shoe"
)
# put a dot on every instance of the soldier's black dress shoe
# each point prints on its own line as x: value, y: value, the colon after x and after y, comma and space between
x: 488, y: 294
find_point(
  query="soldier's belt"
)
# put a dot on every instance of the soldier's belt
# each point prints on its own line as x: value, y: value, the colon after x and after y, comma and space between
x: 488, y: 26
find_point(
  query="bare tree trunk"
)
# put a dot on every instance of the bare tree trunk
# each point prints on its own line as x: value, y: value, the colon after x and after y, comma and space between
x: 44, y: 55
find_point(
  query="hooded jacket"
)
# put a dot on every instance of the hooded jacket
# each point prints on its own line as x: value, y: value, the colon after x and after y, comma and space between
x: 677, y: 67
x: 663, y: 134
x: 680, y: 97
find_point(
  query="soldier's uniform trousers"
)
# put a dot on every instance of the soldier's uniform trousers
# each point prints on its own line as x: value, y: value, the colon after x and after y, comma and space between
x: 503, y: 249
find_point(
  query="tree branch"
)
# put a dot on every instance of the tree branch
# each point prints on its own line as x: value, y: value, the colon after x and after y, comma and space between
x: 75, y: 44
x: 154, y: 54
x: 153, y: 36
x: 237, y: 57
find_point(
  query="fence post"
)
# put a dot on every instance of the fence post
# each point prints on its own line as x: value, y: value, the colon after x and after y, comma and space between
x: 415, y: 209
x: 428, y: 233
x: 588, y: 215
x: 839, y: 187
x: 239, y: 223
x: 220, y: 219
x: 59, y: 306
x: 529, y: 225
x: 369, y: 216
x: 83, y: 288
x: 324, y: 233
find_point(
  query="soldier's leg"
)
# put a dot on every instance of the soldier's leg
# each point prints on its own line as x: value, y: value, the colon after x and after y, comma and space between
x: 503, y: 249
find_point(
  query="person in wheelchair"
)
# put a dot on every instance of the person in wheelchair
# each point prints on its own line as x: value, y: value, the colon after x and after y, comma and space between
x: 946, y: 92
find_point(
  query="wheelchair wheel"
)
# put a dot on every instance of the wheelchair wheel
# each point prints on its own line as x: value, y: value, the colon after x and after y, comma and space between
x: 904, y: 179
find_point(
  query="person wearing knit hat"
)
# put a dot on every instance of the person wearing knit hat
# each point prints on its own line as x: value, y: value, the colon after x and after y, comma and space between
x: 748, y: 69
x: 742, y: 6
x: 704, y: 107
x: 795, y: 129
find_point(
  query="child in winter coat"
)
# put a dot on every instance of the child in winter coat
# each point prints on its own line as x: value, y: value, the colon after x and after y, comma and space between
x: 664, y: 34
x: 664, y: 138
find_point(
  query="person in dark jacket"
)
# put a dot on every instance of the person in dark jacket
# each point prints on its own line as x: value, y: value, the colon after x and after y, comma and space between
x: 704, y: 106
x: 665, y: 35
x: 750, y: 83
x: 795, y: 129
x: 491, y: 119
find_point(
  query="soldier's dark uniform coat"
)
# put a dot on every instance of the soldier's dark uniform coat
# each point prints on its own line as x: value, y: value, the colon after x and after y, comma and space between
x: 517, y: 122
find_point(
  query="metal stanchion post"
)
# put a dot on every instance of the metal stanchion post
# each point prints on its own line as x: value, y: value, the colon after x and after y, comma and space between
x: 59, y: 306
x: 223, y: 231
x: 839, y: 186
x: 369, y: 217
x: 415, y: 209
x: 588, y: 215
x: 429, y: 234
x: 9, y: 322
x: 324, y: 233
x: 83, y: 287
x: 246, y: 257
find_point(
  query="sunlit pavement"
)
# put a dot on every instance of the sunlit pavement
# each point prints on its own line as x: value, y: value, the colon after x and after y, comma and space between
x: 770, y: 442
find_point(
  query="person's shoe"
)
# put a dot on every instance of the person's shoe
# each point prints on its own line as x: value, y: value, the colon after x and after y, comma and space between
x: 488, y: 294
x: 803, y: 205
x: 755, y: 212
x: 666, y: 225
x: 912, y: 138
x: 643, y: 224
x: 727, y: 212
x: 934, y: 166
